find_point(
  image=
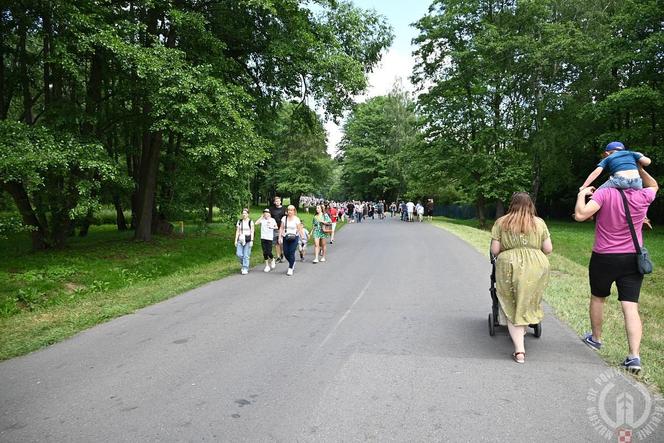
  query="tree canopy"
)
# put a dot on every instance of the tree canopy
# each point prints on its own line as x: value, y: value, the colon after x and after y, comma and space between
x: 165, y: 107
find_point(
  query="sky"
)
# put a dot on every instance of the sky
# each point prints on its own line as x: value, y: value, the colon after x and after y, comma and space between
x: 397, y: 61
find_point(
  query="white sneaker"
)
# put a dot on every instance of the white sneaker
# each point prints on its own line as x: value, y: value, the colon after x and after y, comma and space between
x: 322, y: 259
x: 315, y: 260
x: 244, y: 271
x: 290, y: 271
x: 267, y: 268
x: 273, y: 263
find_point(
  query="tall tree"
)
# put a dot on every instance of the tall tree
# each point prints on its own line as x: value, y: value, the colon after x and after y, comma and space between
x: 376, y: 135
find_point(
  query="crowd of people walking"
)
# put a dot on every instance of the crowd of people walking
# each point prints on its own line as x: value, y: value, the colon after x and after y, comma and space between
x: 283, y: 231
x: 520, y: 244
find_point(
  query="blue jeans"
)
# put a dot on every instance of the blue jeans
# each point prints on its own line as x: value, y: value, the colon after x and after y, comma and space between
x: 244, y: 254
x: 616, y: 181
x: 290, y: 246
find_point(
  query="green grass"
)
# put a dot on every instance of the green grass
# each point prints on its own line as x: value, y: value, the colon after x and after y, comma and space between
x: 50, y: 295
x: 568, y: 292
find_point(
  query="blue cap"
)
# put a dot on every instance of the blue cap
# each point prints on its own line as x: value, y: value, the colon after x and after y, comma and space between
x: 614, y: 146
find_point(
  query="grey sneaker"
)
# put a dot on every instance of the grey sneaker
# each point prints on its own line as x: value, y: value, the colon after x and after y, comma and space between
x: 588, y: 339
x: 632, y: 365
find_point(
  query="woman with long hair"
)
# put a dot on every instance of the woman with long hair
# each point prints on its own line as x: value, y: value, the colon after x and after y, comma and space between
x: 244, y: 240
x: 321, y: 219
x: 520, y: 240
x: 291, y: 227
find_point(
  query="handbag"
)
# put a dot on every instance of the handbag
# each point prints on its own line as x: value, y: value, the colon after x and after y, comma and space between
x: 288, y: 236
x: 244, y: 238
x: 326, y: 228
x: 643, y: 263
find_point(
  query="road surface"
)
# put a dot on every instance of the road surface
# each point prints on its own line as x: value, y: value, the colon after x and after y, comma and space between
x: 386, y: 341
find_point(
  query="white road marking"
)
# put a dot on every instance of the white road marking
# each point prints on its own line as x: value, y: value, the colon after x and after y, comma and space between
x: 341, y: 320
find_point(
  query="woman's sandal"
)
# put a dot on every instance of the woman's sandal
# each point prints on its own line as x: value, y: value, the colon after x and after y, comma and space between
x: 515, y: 357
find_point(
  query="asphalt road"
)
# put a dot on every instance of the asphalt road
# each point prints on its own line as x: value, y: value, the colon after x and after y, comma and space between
x: 386, y: 341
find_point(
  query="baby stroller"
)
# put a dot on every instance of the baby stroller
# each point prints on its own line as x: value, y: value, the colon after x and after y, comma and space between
x: 495, y: 319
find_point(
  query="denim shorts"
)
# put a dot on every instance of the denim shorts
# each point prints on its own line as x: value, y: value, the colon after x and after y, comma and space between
x: 616, y: 181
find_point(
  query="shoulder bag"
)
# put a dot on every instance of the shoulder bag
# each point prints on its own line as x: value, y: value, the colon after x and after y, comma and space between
x: 643, y: 263
x: 327, y: 227
x: 287, y: 236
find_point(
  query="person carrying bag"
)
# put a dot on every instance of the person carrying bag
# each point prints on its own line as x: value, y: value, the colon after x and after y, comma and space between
x: 643, y: 263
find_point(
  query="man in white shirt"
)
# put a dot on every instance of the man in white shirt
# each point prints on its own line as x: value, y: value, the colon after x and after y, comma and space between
x: 410, y: 207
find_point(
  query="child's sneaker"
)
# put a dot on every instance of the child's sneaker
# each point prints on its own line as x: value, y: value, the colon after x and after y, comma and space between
x: 588, y: 339
x: 290, y: 271
x: 267, y: 268
x: 315, y: 260
x: 632, y: 365
x: 244, y: 271
x: 273, y: 264
x: 322, y: 259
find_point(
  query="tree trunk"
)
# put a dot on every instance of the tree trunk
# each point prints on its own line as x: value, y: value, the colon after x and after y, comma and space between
x: 22, y: 200
x: 4, y: 102
x: 537, y: 179
x: 481, y: 218
x: 210, y: 207
x: 61, y: 228
x: 25, y: 78
x: 85, y: 227
x: 119, y: 213
x: 47, y: 43
x: 500, y: 209
x: 295, y: 200
x: 147, y: 185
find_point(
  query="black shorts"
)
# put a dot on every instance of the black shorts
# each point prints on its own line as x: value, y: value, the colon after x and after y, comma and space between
x: 604, y: 269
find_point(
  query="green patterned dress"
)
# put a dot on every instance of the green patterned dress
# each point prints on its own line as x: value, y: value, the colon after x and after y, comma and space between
x: 318, y: 226
x: 522, y: 273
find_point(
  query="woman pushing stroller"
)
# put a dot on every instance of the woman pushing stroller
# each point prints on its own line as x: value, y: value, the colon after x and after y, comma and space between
x: 520, y: 240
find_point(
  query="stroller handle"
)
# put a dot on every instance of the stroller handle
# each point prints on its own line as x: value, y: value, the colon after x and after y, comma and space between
x: 492, y: 258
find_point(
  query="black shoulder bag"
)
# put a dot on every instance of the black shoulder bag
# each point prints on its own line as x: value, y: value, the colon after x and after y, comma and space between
x: 643, y: 263
x: 287, y: 236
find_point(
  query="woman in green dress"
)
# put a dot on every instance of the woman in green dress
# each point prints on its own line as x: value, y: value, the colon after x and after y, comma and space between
x: 320, y: 219
x: 521, y: 242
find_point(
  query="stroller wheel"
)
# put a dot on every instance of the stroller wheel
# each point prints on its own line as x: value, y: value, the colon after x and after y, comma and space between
x: 537, y: 330
x: 492, y: 327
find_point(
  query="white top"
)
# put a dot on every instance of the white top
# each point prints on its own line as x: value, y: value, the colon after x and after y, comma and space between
x: 420, y: 209
x: 410, y: 206
x: 267, y: 228
x: 245, y: 226
x: 290, y: 226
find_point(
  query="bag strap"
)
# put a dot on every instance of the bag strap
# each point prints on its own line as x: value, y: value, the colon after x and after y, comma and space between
x: 629, y: 222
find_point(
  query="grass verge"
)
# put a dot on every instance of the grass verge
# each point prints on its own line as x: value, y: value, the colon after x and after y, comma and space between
x: 48, y: 296
x: 568, y: 291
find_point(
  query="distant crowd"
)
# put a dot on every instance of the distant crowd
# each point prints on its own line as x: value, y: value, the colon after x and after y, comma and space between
x: 283, y: 235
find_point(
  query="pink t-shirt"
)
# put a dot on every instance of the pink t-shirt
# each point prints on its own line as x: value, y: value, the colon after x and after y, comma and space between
x: 612, y: 235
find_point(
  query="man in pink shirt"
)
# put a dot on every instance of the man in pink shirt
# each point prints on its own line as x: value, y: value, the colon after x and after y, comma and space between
x: 614, y: 258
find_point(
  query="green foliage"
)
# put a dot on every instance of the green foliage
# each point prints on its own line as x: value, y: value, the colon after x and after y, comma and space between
x: 376, y: 136
x: 11, y: 225
x: 300, y: 164
x: 524, y: 94
x: 165, y: 105
x: 66, y: 172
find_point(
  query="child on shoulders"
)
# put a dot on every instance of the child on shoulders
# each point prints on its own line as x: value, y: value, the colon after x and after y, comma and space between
x: 622, y: 165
